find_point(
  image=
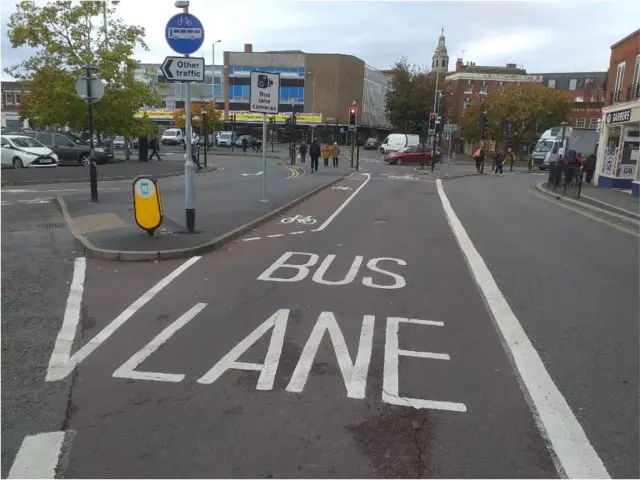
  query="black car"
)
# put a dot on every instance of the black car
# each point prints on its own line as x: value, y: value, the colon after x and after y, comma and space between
x: 371, y: 144
x: 70, y: 148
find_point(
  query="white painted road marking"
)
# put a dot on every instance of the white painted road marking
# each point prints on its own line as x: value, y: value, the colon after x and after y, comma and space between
x: 38, y: 456
x: 128, y: 369
x: 344, y: 204
x: 355, y: 373
x: 304, y: 269
x: 62, y: 362
x: 576, y: 457
x: 308, y: 220
x: 277, y: 322
x: 390, y: 380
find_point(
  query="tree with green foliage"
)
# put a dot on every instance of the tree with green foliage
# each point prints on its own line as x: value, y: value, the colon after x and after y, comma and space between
x: 410, y: 96
x: 69, y: 35
x: 523, y: 106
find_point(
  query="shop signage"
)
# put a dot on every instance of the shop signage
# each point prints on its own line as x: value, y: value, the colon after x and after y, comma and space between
x: 620, y: 116
x: 167, y: 114
x: 628, y: 171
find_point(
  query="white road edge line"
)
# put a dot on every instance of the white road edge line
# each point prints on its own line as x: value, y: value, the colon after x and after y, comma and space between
x: 251, y: 239
x: 38, y: 456
x: 297, y: 233
x: 572, y: 452
x: 275, y: 235
x: 62, y: 362
x: 344, y: 204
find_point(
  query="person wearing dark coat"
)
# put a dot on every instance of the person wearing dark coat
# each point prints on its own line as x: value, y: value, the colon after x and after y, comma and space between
x: 314, y: 153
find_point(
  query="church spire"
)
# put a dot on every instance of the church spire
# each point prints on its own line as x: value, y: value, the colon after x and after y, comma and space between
x: 440, y: 59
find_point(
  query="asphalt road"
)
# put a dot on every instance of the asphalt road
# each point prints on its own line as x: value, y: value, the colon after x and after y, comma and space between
x: 37, y: 264
x: 427, y: 369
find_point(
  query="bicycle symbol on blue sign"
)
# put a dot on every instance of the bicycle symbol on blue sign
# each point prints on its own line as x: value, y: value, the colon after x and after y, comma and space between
x: 184, y: 33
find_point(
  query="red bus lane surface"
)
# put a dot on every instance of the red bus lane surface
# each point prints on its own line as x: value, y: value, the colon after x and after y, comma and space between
x: 369, y: 346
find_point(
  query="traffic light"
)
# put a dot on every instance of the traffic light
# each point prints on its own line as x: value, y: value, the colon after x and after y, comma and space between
x: 432, y: 121
x: 438, y: 125
x: 352, y: 115
x: 425, y: 128
x: 484, y: 126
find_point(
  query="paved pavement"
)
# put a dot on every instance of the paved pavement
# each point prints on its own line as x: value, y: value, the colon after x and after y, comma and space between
x: 446, y: 332
x: 226, y: 200
x: 37, y: 263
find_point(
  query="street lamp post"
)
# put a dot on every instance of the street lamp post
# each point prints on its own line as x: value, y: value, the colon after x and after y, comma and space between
x: 213, y: 91
x: 293, y: 131
x: 203, y: 118
x: 313, y: 92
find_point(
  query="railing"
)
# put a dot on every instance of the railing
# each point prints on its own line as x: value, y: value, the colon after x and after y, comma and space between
x: 567, y: 178
x: 633, y: 92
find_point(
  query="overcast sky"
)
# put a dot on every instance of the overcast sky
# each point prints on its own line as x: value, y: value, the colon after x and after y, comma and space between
x: 543, y: 36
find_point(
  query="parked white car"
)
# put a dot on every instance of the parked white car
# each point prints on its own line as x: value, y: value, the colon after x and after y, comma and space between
x: 20, y: 151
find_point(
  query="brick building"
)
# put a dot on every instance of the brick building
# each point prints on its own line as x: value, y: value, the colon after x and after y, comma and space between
x: 619, y: 145
x: 587, y: 89
x: 470, y: 84
x: 11, y: 94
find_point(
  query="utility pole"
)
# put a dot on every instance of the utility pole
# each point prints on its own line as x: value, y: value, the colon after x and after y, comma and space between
x: 93, y: 168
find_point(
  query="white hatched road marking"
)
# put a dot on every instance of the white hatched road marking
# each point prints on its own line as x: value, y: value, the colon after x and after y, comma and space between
x: 32, y: 201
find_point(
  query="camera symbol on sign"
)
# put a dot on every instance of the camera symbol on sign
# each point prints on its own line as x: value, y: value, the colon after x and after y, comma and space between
x: 264, y: 81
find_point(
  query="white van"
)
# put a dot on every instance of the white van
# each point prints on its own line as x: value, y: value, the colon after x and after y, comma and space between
x: 396, y: 141
x: 172, y: 136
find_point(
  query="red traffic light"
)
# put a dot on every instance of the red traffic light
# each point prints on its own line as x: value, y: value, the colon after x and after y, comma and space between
x: 352, y: 111
x: 432, y: 116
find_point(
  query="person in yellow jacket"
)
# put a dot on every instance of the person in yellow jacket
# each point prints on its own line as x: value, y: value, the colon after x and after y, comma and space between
x: 326, y: 153
x: 335, y: 153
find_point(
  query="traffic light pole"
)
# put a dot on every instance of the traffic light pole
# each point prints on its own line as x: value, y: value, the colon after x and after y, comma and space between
x: 353, y: 141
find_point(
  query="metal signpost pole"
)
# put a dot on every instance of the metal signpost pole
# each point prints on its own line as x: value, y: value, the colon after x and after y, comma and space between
x: 186, y: 70
x: 264, y: 157
x: 204, y: 131
x: 264, y: 97
x: 93, y: 168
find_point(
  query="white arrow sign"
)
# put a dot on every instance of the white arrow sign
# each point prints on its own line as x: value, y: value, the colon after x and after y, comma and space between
x: 249, y: 174
x: 183, y: 69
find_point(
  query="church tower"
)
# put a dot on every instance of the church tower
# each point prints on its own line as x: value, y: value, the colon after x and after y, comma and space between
x: 440, y: 59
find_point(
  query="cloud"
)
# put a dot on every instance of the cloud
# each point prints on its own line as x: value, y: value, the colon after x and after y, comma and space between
x: 544, y: 36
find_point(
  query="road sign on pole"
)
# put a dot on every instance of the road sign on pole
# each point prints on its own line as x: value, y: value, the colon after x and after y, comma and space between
x: 352, y: 128
x: 97, y: 88
x: 450, y: 128
x: 264, y: 97
x: 184, y: 33
x: 183, y: 69
x: 264, y: 92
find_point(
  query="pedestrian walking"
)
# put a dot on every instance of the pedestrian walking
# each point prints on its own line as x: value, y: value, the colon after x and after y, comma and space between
x: 314, y: 153
x: 590, y: 167
x: 335, y: 153
x: 303, y: 152
x: 479, y: 157
x: 245, y: 144
x: 259, y: 145
x: 155, y: 146
x: 326, y: 153
x: 499, y: 160
x: 195, y: 153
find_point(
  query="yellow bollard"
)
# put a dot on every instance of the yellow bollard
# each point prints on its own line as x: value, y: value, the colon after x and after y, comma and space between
x: 147, y: 204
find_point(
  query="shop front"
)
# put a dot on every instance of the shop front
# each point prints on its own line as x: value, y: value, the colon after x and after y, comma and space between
x: 619, y: 148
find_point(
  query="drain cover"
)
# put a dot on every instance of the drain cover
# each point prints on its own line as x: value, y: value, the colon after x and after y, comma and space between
x: 51, y: 225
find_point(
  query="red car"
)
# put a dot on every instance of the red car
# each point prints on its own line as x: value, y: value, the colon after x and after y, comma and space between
x: 414, y: 155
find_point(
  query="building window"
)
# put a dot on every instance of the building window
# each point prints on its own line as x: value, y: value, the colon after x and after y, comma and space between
x: 551, y: 83
x: 617, y: 89
x: 593, y: 123
x: 8, y: 98
x: 469, y: 87
x: 17, y: 97
x: 581, y: 122
x: 483, y: 88
x: 588, y: 83
x: 573, y: 83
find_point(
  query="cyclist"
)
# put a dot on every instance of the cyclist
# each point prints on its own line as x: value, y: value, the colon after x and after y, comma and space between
x: 573, y: 162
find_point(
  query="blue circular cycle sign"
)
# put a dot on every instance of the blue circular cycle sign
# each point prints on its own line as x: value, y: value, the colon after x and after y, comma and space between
x: 184, y: 33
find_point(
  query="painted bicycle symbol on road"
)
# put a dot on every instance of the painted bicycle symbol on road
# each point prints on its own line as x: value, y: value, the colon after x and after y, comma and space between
x: 308, y: 220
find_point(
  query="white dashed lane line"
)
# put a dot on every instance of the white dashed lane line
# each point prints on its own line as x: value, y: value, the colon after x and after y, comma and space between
x: 275, y: 235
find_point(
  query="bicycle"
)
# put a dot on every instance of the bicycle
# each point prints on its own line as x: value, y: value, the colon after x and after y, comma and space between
x: 575, y: 183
